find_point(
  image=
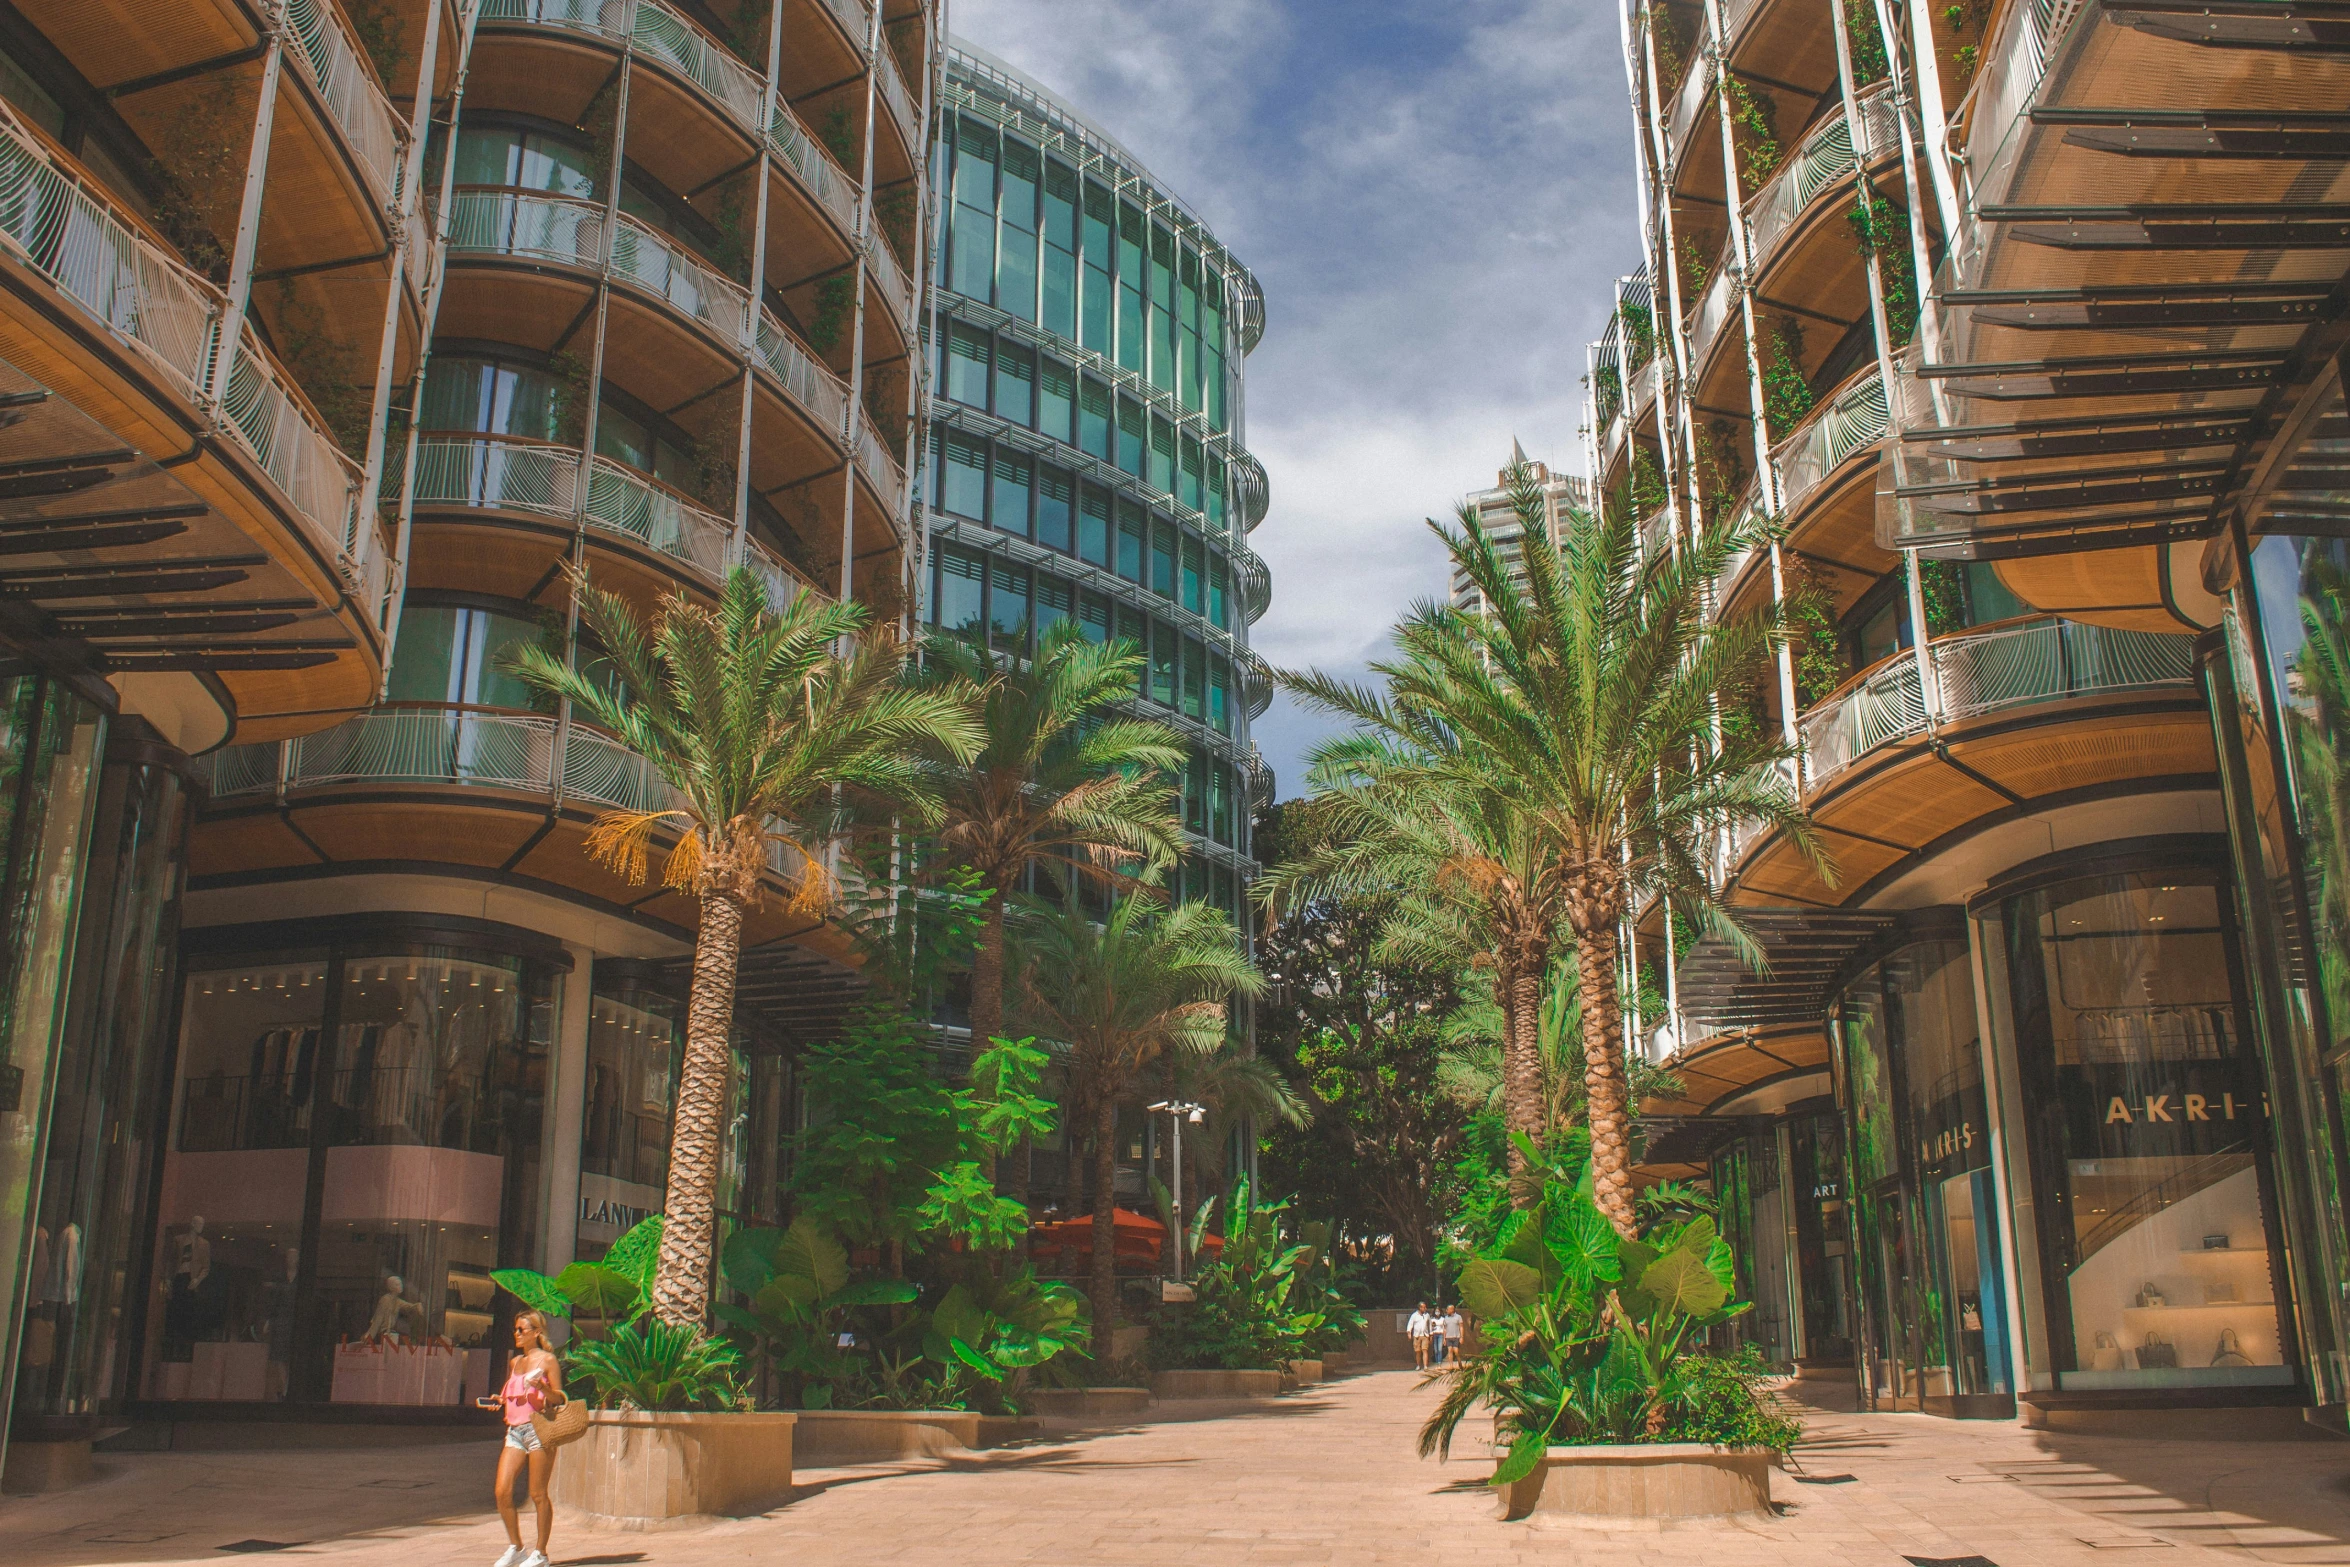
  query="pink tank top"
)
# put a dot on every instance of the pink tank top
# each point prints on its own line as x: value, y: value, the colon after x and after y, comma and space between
x: 524, y: 1395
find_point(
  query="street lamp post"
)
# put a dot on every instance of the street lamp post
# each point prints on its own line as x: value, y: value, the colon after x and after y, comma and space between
x: 1177, y: 1112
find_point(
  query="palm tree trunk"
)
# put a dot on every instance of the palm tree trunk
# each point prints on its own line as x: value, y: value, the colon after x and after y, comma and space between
x: 1521, y: 1057
x: 1605, y: 1086
x: 1105, y: 1223
x: 681, y: 1281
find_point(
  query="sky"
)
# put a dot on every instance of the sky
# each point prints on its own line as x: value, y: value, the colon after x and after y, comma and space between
x: 1436, y: 196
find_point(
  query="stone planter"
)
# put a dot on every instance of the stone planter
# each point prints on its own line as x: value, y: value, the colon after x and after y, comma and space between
x: 864, y: 1436
x: 1301, y: 1373
x: 1004, y: 1430
x: 644, y: 1470
x: 1216, y: 1384
x: 1090, y: 1403
x: 1334, y: 1365
x: 1661, y: 1481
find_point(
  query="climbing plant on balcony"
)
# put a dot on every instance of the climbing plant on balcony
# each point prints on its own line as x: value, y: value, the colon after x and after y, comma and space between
x: 1672, y: 48
x: 1813, y: 639
x: 1787, y: 393
x: 1942, y: 584
x: 1697, y: 268
x: 1866, y: 43
x: 1880, y: 232
x: 1756, y: 115
x: 1607, y: 391
x: 1639, y: 333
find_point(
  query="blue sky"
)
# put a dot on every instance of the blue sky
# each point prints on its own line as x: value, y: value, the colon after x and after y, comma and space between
x: 1435, y: 196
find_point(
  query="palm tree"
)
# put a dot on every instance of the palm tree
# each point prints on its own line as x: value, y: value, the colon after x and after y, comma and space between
x: 1116, y: 997
x: 1613, y: 713
x: 762, y: 731
x: 1058, y: 781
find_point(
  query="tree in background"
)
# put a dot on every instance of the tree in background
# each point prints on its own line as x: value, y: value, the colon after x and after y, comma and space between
x: 1358, y: 1035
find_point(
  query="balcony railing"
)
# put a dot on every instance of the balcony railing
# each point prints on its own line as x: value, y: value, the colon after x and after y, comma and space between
x: 497, y: 221
x: 1854, y: 419
x: 1983, y: 672
x: 1694, y: 96
x: 896, y: 287
x: 881, y: 469
x: 1826, y: 158
x: 149, y: 301
x: 323, y: 51
x: 901, y: 103
x: 733, y: 87
x: 1713, y: 311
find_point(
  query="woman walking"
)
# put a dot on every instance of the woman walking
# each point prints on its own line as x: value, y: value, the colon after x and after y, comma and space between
x: 534, y: 1382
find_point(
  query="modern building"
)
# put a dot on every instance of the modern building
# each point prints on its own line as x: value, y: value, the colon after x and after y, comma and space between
x: 1087, y: 444
x: 332, y: 332
x: 2037, y: 1108
x: 1561, y: 492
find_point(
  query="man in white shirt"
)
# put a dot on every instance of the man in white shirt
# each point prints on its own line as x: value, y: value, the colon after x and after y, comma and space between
x: 1420, y: 1325
x: 1454, y: 1329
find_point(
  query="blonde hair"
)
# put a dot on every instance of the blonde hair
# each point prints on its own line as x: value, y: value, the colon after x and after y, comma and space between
x: 536, y: 1321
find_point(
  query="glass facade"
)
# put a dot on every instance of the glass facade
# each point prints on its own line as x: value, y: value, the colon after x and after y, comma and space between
x: 356, y: 1137
x: 1084, y: 462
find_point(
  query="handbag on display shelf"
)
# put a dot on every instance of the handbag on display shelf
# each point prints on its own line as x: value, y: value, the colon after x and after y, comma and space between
x: 2107, y: 1355
x: 2148, y: 1295
x: 2230, y: 1351
x: 567, y: 1422
x: 2158, y: 1354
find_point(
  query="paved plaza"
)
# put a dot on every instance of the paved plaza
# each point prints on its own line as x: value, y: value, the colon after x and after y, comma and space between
x: 1326, y: 1475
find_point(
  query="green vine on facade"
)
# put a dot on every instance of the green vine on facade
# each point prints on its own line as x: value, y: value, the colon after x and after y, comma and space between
x: 1672, y: 49
x: 382, y: 33
x: 1607, y: 391
x: 1787, y: 393
x: 327, y: 371
x: 1942, y: 585
x: 199, y: 161
x: 837, y: 136
x: 1866, y: 43
x: 836, y: 296
x: 1815, y: 643
x: 1639, y: 333
x: 1757, y: 115
x: 1880, y: 232
x: 1648, y: 486
x: 1696, y: 269
x: 571, y: 397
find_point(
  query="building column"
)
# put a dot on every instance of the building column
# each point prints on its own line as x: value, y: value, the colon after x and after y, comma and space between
x: 566, y: 1106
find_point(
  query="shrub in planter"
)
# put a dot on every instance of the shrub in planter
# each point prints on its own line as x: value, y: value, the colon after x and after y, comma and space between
x: 1267, y: 1299
x: 651, y: 1365
x: 1591, y: 1338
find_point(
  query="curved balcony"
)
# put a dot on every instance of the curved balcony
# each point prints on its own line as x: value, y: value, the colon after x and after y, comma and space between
x: 323, y: 51
x: 1252, y: 581
x: 1840, y: 429
x: 1257, y: 777
x: 1687, y: 123
x: 493, y: 473
x: 1985, y: 672
x: 1255, y: 488
x: 139, y: 297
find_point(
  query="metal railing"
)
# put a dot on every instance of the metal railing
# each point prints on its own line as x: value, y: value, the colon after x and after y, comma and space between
x: 901, y: 103
x: 797, y: 371
x: 1714, y: 307
x: 1694, y: 95
x: 659, y: 265
x: 1983, y: 672
x: 855, y: 19
x: 324, y: 52
x: 146, y: 299
x: 895, y: 286
x: 1826, y: 158
x: 822, y: 178
x: 882, y: 470
x: 1855, y: 419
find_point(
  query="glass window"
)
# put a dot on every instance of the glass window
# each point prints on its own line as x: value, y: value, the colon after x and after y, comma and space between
x: 1162, y: 469
x: 636, y: 1045
x: 1215, y: 493
x: 453, y: 655
x: 1016, y: 254
x: 1093, y: 525
x: 1162, y: 300
x: 974, y: 218
x: 1059, y: 313
x: 1987, y: 598
x: 1192, y: 598
x: 1009, y: 507
x: 1007, y: 604
x: 2148, y: 1131
x: 1133, y: 429
x: 1220, y: 694
x: 1195, y: 792
x: 1093, y: 419
x: 1187, y: 483
x: 1132, y: 525
x: 1219, y: 591
x: 1056, y: 399
x: 1163, y: 657
x: 1195, y: 679
x: 1131, y: 350
x: 963, y: 485
x: 1095, y: 302
x: 1162, y: 557
x: 968, y: 350
x: 493, y: 398
x: 1093, y: 612
x: 1015, y: 384
x: 1056, y: 601
x: 959, y: 595
x: 1055, y: 496
x: 1220, y: 802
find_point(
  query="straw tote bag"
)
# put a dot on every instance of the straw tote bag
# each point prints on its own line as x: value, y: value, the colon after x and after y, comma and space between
x: 556, y: 1427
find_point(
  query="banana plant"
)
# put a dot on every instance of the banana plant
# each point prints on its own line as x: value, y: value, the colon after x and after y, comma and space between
x: 619, y: 1286
x: 995, y: 1328
x: 1587, y: 1335
x: 795, y: 1285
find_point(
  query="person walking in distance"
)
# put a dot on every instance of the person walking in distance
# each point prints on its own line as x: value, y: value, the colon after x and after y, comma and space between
x: 1419, y: 1325
x: 1454, y: 1330
x: 1436, y: 1343
x: 534, y: 1382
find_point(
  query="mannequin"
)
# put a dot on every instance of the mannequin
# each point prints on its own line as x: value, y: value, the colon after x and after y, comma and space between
x: 194, y: 1257
x: 191, y: 1266
x: 277, y: 1304
x: 392, y: 1310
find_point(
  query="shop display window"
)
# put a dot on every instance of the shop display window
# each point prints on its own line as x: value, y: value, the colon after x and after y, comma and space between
x: 2149, y: 1134
x: 357, y: 1139
x: 636, y: 1037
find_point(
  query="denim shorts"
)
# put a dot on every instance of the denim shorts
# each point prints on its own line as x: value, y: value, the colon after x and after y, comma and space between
x: 523, y: 1438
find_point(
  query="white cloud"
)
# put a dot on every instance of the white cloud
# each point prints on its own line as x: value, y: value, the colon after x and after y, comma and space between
x: 1435, y: 199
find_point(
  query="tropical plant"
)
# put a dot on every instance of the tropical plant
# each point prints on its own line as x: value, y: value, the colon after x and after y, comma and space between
x: 651, y: 1364
x: 619, y: 1286
x: 760, y: 728
x: 1115, y: 997
x: 1266, y: 1298
x: 797, y: 1291
x: 987, y: 1333
x: 1563, y: 740
x: 1592, y: 1336
x: 1059, y: 782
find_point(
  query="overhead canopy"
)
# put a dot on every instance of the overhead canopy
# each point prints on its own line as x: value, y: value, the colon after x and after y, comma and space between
x: 1803, y: 951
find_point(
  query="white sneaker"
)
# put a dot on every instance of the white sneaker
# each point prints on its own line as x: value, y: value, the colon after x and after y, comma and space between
x: 511, y: 1558
x: 534, y: 1559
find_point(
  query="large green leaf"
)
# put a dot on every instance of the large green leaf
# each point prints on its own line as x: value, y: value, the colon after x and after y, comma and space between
x: 975, y: 1360
x: 748, y: 1258
x: 810, y: 1250
x: 636, y: 1255
x: 1681, y: 1283
x: 534, y: 1290
x: 1494, y: 1287
x: 599, y: 1290
x: 1525, y: 1454
x: 787, y: 1297
x: 871, y: 1292
x: 1579, y: 1235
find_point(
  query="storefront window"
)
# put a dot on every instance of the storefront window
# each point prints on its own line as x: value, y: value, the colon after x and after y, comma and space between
x: 49, y: 745
x: 2149, y: 1134
x: 357, y: 1140
x: 635, y: 1036
x: 1823, y: 1237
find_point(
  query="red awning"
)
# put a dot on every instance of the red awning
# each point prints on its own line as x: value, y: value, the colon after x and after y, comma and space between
x: 1137, y: 1239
